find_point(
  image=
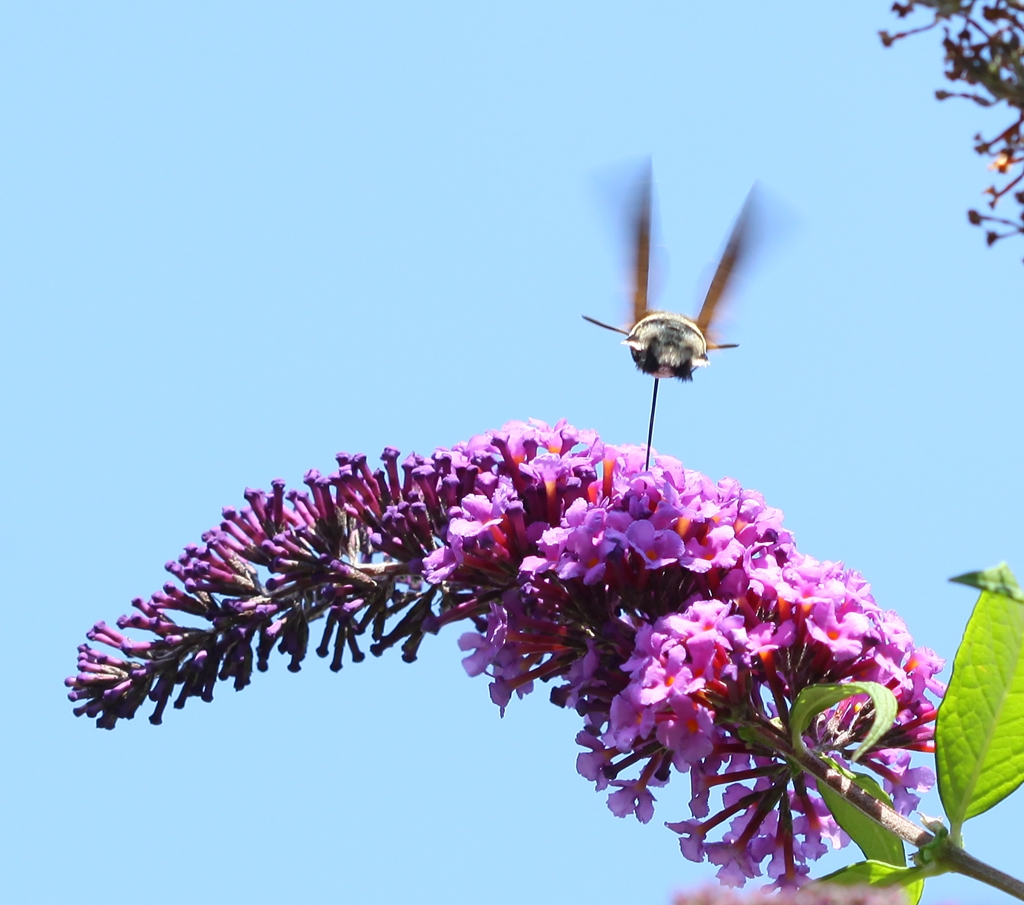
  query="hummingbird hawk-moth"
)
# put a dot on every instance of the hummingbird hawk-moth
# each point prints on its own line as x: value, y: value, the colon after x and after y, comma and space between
x: 664, y: 343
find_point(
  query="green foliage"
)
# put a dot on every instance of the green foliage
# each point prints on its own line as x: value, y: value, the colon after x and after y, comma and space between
x: 876, y: 873
x: 815, y: 698
x: 979, y: 736
x: 999, y: 580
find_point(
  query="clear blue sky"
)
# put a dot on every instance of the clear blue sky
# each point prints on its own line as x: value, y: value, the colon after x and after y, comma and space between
x: 239, y: 237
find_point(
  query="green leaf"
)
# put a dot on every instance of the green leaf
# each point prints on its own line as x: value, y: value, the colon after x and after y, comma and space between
x: 875, y: 873
x: 979, y: 736
x: 998, y: 580
x: 815, y: 698
x: 876, y: 842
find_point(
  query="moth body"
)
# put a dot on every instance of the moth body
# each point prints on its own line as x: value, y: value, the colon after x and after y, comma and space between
x: 666, y: 344
x: 663, y: 343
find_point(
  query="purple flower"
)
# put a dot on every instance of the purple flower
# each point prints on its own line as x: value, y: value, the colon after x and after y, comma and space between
x: 656, y: 548
x: 675, y: 615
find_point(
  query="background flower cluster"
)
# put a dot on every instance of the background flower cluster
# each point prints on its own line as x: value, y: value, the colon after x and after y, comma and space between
x: 983, y: 45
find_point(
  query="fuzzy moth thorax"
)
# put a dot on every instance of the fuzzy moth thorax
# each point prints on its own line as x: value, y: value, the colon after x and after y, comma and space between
x: 666, y: 344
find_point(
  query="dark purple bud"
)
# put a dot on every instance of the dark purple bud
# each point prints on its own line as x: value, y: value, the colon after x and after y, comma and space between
x: 390, y: 459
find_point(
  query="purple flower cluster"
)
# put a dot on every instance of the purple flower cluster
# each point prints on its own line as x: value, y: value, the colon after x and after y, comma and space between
x: 674, y: 614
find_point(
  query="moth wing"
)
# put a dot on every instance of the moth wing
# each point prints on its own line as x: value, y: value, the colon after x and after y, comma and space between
x: 735, y: 250
x: 641, y: 228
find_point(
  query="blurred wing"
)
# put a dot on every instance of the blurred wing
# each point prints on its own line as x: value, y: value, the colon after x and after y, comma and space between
x: 642, y: 248
x: 735, y: 249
